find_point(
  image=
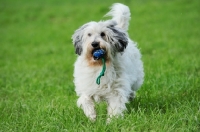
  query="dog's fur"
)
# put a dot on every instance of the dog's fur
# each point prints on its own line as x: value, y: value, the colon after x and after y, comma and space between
x: 124, y: 68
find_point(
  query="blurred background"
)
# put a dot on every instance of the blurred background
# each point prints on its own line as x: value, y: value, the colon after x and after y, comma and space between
x: 37, y: 54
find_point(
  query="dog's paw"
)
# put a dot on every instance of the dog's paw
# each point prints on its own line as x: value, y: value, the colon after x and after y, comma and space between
x: 108, y: 120
x: 93, y: 117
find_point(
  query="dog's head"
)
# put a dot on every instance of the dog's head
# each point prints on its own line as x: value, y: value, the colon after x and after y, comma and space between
x: 99, y: 35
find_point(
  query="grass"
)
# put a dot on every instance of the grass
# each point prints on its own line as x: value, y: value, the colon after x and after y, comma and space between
x: 37, y: 56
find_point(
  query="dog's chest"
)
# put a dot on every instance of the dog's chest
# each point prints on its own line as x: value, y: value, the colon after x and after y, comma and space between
x: 85, y: 80
x: 106, y: 84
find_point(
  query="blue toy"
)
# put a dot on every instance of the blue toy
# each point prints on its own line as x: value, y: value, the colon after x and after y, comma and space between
x: 98, y: 54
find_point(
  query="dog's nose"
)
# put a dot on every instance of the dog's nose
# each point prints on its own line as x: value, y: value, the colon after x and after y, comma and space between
x: 95, y: 44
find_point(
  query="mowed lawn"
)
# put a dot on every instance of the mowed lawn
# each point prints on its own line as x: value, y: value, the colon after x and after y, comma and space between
x: 37, y: 56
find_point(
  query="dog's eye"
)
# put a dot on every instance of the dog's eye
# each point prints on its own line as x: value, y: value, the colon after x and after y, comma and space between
x: 89, y: 34
x: 102, y: 34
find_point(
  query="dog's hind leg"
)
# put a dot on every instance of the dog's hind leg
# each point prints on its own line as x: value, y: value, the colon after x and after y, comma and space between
x: 87, y: 104
x: 132, y: 96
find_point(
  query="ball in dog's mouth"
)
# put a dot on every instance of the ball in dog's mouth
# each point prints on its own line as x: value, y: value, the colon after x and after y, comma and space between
x: 98, y: 53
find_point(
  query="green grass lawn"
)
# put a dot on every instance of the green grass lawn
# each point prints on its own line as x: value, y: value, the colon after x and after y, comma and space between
x: 36, y: 66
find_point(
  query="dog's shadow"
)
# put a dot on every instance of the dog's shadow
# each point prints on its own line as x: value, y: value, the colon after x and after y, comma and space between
x: 162, y: 102
x: 139, y: 104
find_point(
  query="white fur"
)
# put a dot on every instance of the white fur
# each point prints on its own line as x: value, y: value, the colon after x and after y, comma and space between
x: 121, y: 14
x: 124, y: 69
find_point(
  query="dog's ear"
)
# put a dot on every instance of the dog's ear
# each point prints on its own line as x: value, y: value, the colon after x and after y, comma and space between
x: 120, y: 38
x: 77, y: 38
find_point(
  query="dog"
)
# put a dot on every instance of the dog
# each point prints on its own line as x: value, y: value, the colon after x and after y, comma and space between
x: 124, y: 73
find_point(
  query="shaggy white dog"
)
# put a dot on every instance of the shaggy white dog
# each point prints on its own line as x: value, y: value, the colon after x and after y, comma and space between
x: 124, y: 68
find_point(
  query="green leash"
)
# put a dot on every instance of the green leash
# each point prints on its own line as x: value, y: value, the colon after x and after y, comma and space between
x: 102, y: 72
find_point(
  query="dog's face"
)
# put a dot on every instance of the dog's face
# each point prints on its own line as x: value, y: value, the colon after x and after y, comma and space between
x: 99, y: 35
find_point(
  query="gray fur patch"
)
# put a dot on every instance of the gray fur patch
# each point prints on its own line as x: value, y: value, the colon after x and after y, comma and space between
x: 121, y: 37
x: 78, y: 39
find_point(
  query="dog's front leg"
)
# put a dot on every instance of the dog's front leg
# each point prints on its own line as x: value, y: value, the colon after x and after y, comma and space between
x: 116, y: 106
x: 87, y: 104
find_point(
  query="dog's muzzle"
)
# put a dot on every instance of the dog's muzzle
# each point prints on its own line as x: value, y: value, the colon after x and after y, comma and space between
x: 97, y: 51
x: 95, y: 44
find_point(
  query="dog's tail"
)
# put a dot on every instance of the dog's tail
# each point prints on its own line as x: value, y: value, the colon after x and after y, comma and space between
x: 121, y: 14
